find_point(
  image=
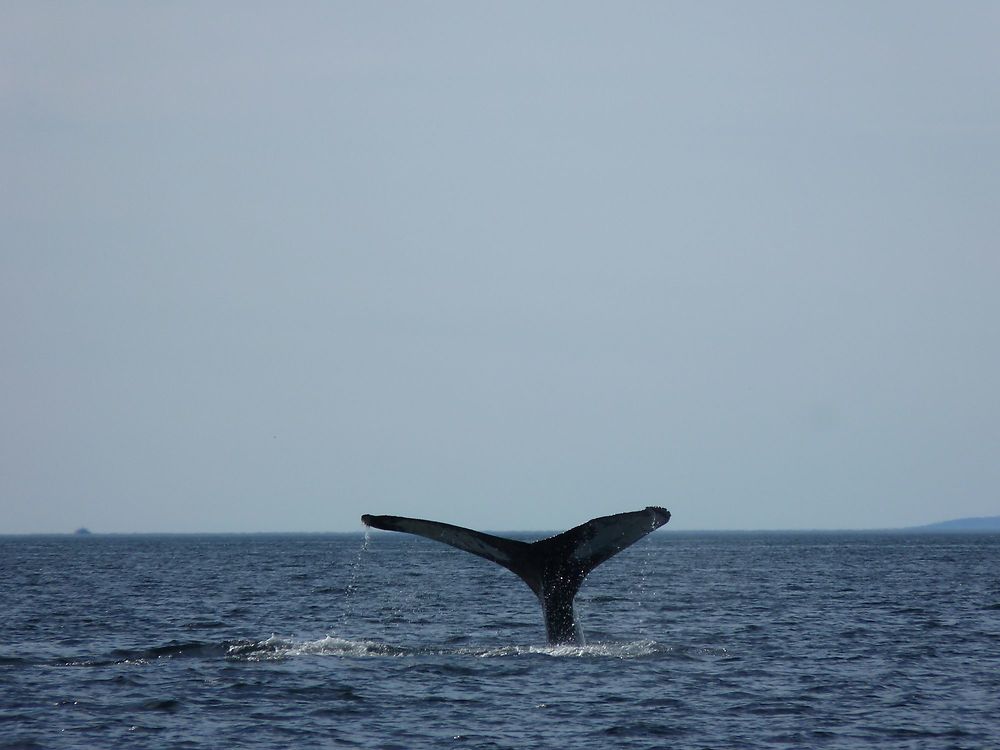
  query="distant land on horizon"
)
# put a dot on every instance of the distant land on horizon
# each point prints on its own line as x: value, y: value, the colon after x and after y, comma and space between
x: 974, y: 523
x: 978, y: 523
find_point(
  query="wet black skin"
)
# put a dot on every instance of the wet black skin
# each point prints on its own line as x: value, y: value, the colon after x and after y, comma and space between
x: 553, y: 568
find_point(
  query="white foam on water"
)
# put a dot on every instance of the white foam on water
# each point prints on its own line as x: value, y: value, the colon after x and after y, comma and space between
x: 628, y: 650
x: 276, y: 647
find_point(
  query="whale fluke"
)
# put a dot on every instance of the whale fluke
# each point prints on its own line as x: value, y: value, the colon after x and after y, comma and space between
x: 553, y: 568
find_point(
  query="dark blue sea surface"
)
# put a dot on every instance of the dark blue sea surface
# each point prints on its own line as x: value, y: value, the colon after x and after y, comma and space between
x: 774, y: 640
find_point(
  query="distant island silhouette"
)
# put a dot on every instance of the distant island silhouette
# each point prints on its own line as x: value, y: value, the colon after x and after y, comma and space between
x: 82, y: 531
x: 980, y: 523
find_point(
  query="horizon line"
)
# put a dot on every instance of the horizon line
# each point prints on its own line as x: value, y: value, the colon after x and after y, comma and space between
x: 937, y: 527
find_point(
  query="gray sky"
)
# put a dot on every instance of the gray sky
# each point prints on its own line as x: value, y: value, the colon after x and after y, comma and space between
x: 267, y: 267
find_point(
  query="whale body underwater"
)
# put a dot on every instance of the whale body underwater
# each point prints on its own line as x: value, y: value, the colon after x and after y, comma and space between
x: 554, y: 568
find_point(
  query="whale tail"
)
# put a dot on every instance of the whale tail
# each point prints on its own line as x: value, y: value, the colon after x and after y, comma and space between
x: 553, y: 568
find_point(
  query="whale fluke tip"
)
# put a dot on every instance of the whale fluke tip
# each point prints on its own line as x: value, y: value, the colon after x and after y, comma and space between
x: 662, y: 515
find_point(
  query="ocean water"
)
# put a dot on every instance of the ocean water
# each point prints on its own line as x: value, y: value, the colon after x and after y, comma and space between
x: 694, y: 641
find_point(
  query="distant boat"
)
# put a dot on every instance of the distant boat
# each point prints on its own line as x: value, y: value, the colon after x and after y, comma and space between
x: 82, y: 531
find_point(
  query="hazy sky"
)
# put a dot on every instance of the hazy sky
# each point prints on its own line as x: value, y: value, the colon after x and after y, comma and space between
x: 269, y: 266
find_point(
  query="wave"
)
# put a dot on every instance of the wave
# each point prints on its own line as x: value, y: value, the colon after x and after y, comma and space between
x: 278, y: 648
x: 275, y: 647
